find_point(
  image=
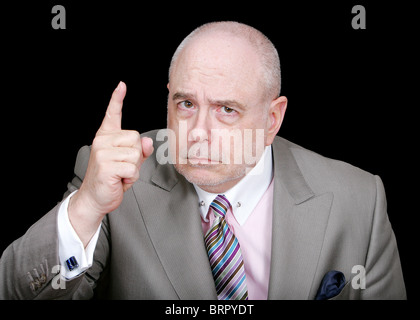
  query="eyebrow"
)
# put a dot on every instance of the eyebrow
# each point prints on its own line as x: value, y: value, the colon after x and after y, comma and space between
x: 227, y: 102
x: 181, y: 96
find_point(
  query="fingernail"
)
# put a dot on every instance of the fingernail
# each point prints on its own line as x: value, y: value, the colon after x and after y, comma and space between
x: 118, y: 87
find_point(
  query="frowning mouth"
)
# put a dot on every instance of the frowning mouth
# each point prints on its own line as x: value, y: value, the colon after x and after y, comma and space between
x: 197, y: 160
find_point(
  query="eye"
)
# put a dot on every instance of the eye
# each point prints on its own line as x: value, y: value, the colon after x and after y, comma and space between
x: 227, y: 109
x: 186, y: 104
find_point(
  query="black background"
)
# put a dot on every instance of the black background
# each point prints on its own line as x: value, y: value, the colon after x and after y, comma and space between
x: 348, y: 90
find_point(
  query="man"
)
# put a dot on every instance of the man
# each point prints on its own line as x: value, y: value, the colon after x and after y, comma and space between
x: 184, y: 214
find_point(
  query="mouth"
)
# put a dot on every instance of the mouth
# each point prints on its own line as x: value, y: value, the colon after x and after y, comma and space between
x: 196, y: 160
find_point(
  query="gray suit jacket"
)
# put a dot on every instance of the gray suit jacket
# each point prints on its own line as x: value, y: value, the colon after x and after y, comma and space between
x: 328, y: 215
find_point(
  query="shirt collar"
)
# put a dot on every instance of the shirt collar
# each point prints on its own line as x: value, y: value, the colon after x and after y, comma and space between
x: 246, y: 194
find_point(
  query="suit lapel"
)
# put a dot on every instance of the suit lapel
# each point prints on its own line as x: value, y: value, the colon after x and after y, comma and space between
x: 173, y: 221
x: 299, y: 223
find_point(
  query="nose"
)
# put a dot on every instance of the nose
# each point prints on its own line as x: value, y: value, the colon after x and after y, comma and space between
x: 200, y: 130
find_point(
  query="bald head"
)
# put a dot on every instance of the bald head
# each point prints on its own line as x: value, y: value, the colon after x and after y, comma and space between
x: 249, y: 41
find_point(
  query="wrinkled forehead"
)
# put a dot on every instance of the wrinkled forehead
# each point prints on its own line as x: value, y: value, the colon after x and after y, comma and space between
x: 218, y: 63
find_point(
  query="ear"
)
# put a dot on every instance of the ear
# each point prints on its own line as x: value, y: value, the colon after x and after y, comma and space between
x: 276, y: 113
x: 167, y: 86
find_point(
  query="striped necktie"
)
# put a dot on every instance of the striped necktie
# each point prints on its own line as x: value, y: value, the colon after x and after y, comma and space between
x: 225, y: 255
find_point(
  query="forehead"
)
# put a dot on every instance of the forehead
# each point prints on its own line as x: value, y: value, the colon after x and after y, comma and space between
x: 219, y: 65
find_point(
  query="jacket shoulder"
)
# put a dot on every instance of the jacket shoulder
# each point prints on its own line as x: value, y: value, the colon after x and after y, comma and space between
x: 324, y: 173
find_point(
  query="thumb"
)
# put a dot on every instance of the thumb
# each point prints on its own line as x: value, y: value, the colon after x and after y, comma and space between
x: 147, y: 147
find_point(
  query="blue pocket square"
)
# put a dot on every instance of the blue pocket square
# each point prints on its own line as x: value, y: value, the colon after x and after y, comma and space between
x: 331, y: 285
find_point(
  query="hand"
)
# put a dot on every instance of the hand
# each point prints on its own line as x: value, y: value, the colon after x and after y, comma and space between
x: 114, y: 166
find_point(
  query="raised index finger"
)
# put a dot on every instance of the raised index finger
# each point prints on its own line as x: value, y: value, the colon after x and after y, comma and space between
x: 113, y: 115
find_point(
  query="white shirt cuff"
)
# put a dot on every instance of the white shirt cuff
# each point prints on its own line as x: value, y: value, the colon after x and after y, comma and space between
x: 69, y: 244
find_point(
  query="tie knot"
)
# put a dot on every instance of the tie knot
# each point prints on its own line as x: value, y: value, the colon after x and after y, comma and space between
x: 220, y: 205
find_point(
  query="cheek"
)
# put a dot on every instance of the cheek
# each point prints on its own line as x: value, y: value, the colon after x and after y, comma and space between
x: 252, y: 144
x: 173, y: 122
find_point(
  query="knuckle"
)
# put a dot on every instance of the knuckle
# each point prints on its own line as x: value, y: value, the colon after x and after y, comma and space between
x: 127, y: 170
x: 132, y: 170
x: 136, y: 172
x: 134, y: 135
x: 136, y: 153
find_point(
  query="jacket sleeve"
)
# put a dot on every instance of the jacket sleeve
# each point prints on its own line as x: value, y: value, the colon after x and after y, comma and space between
x: 384, y: 278
x: 29, y: 267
